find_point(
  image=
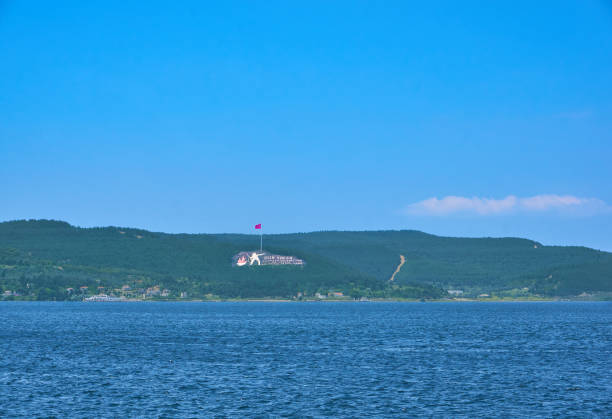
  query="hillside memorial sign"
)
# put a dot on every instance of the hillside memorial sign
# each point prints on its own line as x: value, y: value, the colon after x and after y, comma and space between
x: 259, y: 258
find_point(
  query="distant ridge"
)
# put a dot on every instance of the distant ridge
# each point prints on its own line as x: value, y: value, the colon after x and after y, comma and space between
x: 44, y: 258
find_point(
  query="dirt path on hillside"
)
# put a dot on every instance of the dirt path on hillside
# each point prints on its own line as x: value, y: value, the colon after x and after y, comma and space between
x: 402, y: 261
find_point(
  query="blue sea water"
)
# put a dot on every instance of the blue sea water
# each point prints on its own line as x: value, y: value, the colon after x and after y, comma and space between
x: 306, y: 359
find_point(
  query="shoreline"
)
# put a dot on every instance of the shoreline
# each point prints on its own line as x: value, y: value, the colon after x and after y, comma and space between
x: 279, y: 300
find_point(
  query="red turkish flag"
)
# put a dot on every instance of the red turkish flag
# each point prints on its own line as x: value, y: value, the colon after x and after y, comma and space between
x: 257, y: 226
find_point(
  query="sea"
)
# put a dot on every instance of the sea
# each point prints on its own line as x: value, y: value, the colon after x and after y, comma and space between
x: 265, y: 359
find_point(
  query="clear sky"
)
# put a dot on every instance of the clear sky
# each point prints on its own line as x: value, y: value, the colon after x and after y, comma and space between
x: 455, y: 118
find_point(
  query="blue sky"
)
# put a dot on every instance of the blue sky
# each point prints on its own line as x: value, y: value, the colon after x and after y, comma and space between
x: 456, y: 118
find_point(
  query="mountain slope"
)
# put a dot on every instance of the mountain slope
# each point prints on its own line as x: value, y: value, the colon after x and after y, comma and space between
x: 42, y: 258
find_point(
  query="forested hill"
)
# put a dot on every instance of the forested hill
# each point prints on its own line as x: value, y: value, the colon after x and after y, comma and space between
x: 42, y: 259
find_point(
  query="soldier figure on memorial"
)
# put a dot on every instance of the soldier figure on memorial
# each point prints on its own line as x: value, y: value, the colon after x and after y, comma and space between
x: 255, y: 258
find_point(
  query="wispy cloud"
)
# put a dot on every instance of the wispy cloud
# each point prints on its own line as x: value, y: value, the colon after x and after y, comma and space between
x: 511, y: 204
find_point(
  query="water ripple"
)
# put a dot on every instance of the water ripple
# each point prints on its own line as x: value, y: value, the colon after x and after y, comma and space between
x: 310, y: 360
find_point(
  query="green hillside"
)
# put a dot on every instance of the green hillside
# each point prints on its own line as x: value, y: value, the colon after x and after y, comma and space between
x: 41, y: 259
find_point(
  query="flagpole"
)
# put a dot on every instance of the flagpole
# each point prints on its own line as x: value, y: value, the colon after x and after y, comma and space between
x: 261, y: 240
